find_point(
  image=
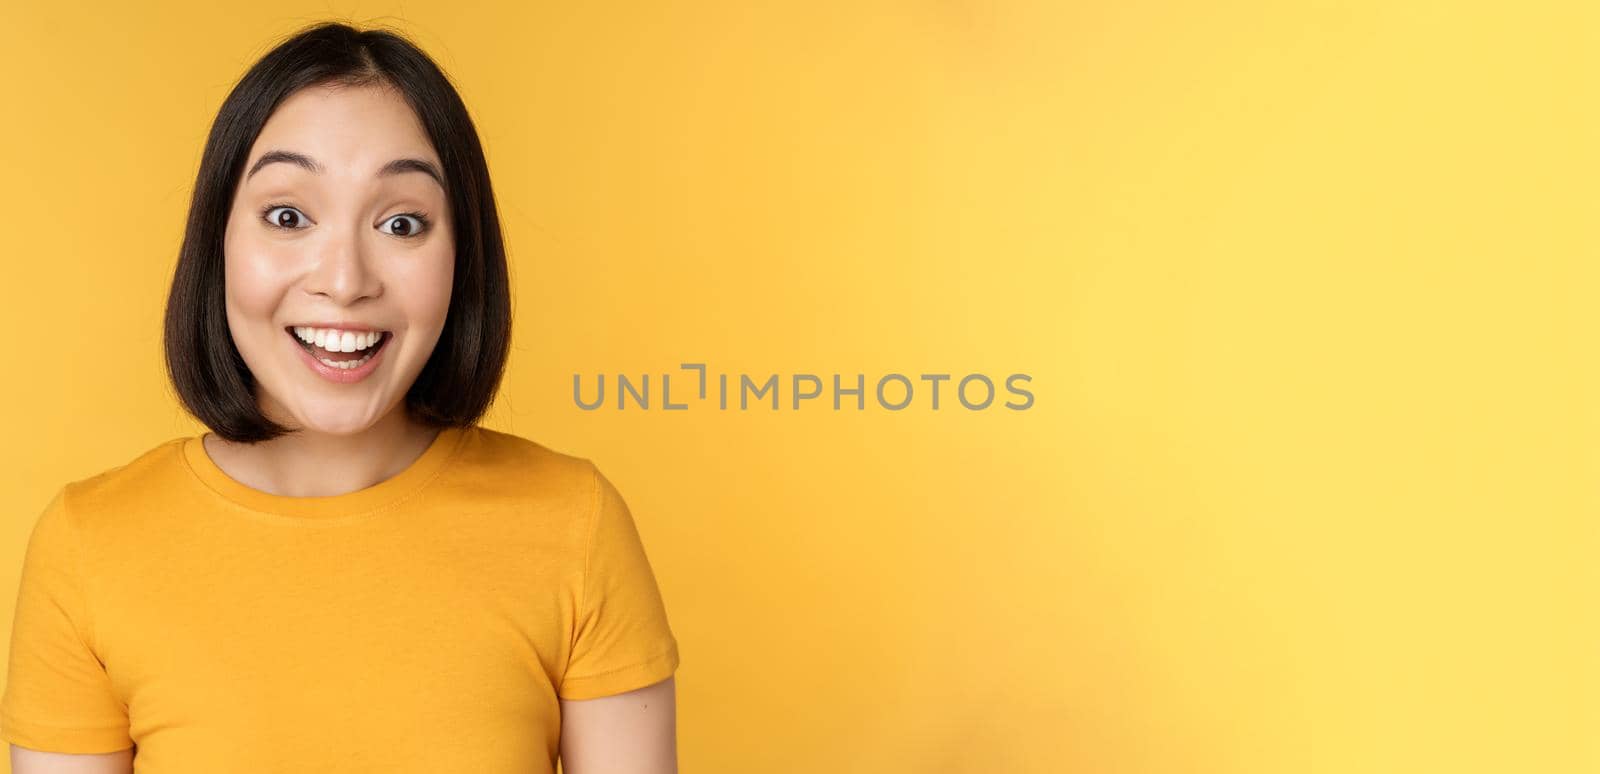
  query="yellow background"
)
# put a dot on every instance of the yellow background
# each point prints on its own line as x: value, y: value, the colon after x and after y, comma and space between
x: 1305, y: 289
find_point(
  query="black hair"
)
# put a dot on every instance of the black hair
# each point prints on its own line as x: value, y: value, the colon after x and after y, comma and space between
x: 462, y: 375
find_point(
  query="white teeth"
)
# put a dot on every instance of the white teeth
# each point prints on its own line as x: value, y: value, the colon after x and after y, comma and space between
x: 346, y: 364
x: 336, y: 340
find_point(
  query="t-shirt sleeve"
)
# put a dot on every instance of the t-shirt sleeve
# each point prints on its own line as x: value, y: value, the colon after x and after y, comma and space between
x: 58, y: 697
x: 621, y: 640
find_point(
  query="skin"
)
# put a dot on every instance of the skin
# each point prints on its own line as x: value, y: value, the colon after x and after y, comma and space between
x: 346, y: 257
x: 341, y: 259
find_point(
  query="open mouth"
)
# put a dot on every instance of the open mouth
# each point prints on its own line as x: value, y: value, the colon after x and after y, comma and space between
x: 357, y: 357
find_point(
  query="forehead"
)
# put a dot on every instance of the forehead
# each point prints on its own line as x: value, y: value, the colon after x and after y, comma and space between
x: 349, y: 130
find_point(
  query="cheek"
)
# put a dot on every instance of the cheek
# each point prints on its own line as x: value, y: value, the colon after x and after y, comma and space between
x: 425, y: 284
x: 255, y: 275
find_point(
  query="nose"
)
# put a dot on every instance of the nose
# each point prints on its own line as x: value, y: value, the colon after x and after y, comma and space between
x: 343, y: 271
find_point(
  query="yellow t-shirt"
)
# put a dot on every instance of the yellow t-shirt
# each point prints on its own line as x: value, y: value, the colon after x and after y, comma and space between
x: 428, y: 623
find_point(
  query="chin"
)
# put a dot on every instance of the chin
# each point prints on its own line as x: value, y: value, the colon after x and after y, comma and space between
x: 333, y: 424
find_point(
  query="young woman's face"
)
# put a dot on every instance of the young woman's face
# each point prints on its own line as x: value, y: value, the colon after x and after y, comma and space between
x: 337, y: 232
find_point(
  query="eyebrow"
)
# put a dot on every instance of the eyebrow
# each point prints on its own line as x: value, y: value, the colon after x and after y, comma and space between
x: 396, y: 167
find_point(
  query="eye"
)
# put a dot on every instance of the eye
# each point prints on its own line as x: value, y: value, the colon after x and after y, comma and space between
x: 406, y: 225
x: 283, y: 216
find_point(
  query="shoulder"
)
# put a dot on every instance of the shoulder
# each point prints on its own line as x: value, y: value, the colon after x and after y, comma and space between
x: 504, y: 462
x: 153, y: 473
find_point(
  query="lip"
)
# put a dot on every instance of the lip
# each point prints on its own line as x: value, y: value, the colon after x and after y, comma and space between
x: 343, y: 326
x: 341, y: 375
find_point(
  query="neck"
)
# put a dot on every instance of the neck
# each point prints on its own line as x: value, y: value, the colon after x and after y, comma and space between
x: 311, y: 463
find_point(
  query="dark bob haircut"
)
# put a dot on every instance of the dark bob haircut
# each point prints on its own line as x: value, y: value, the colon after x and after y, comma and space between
x: 462, y: 375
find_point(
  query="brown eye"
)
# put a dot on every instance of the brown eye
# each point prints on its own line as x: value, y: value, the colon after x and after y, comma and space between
x: 404, y: 225
x: 285, y: 217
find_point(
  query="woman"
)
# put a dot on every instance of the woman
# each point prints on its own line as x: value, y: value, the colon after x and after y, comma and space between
x: 347, y: 573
